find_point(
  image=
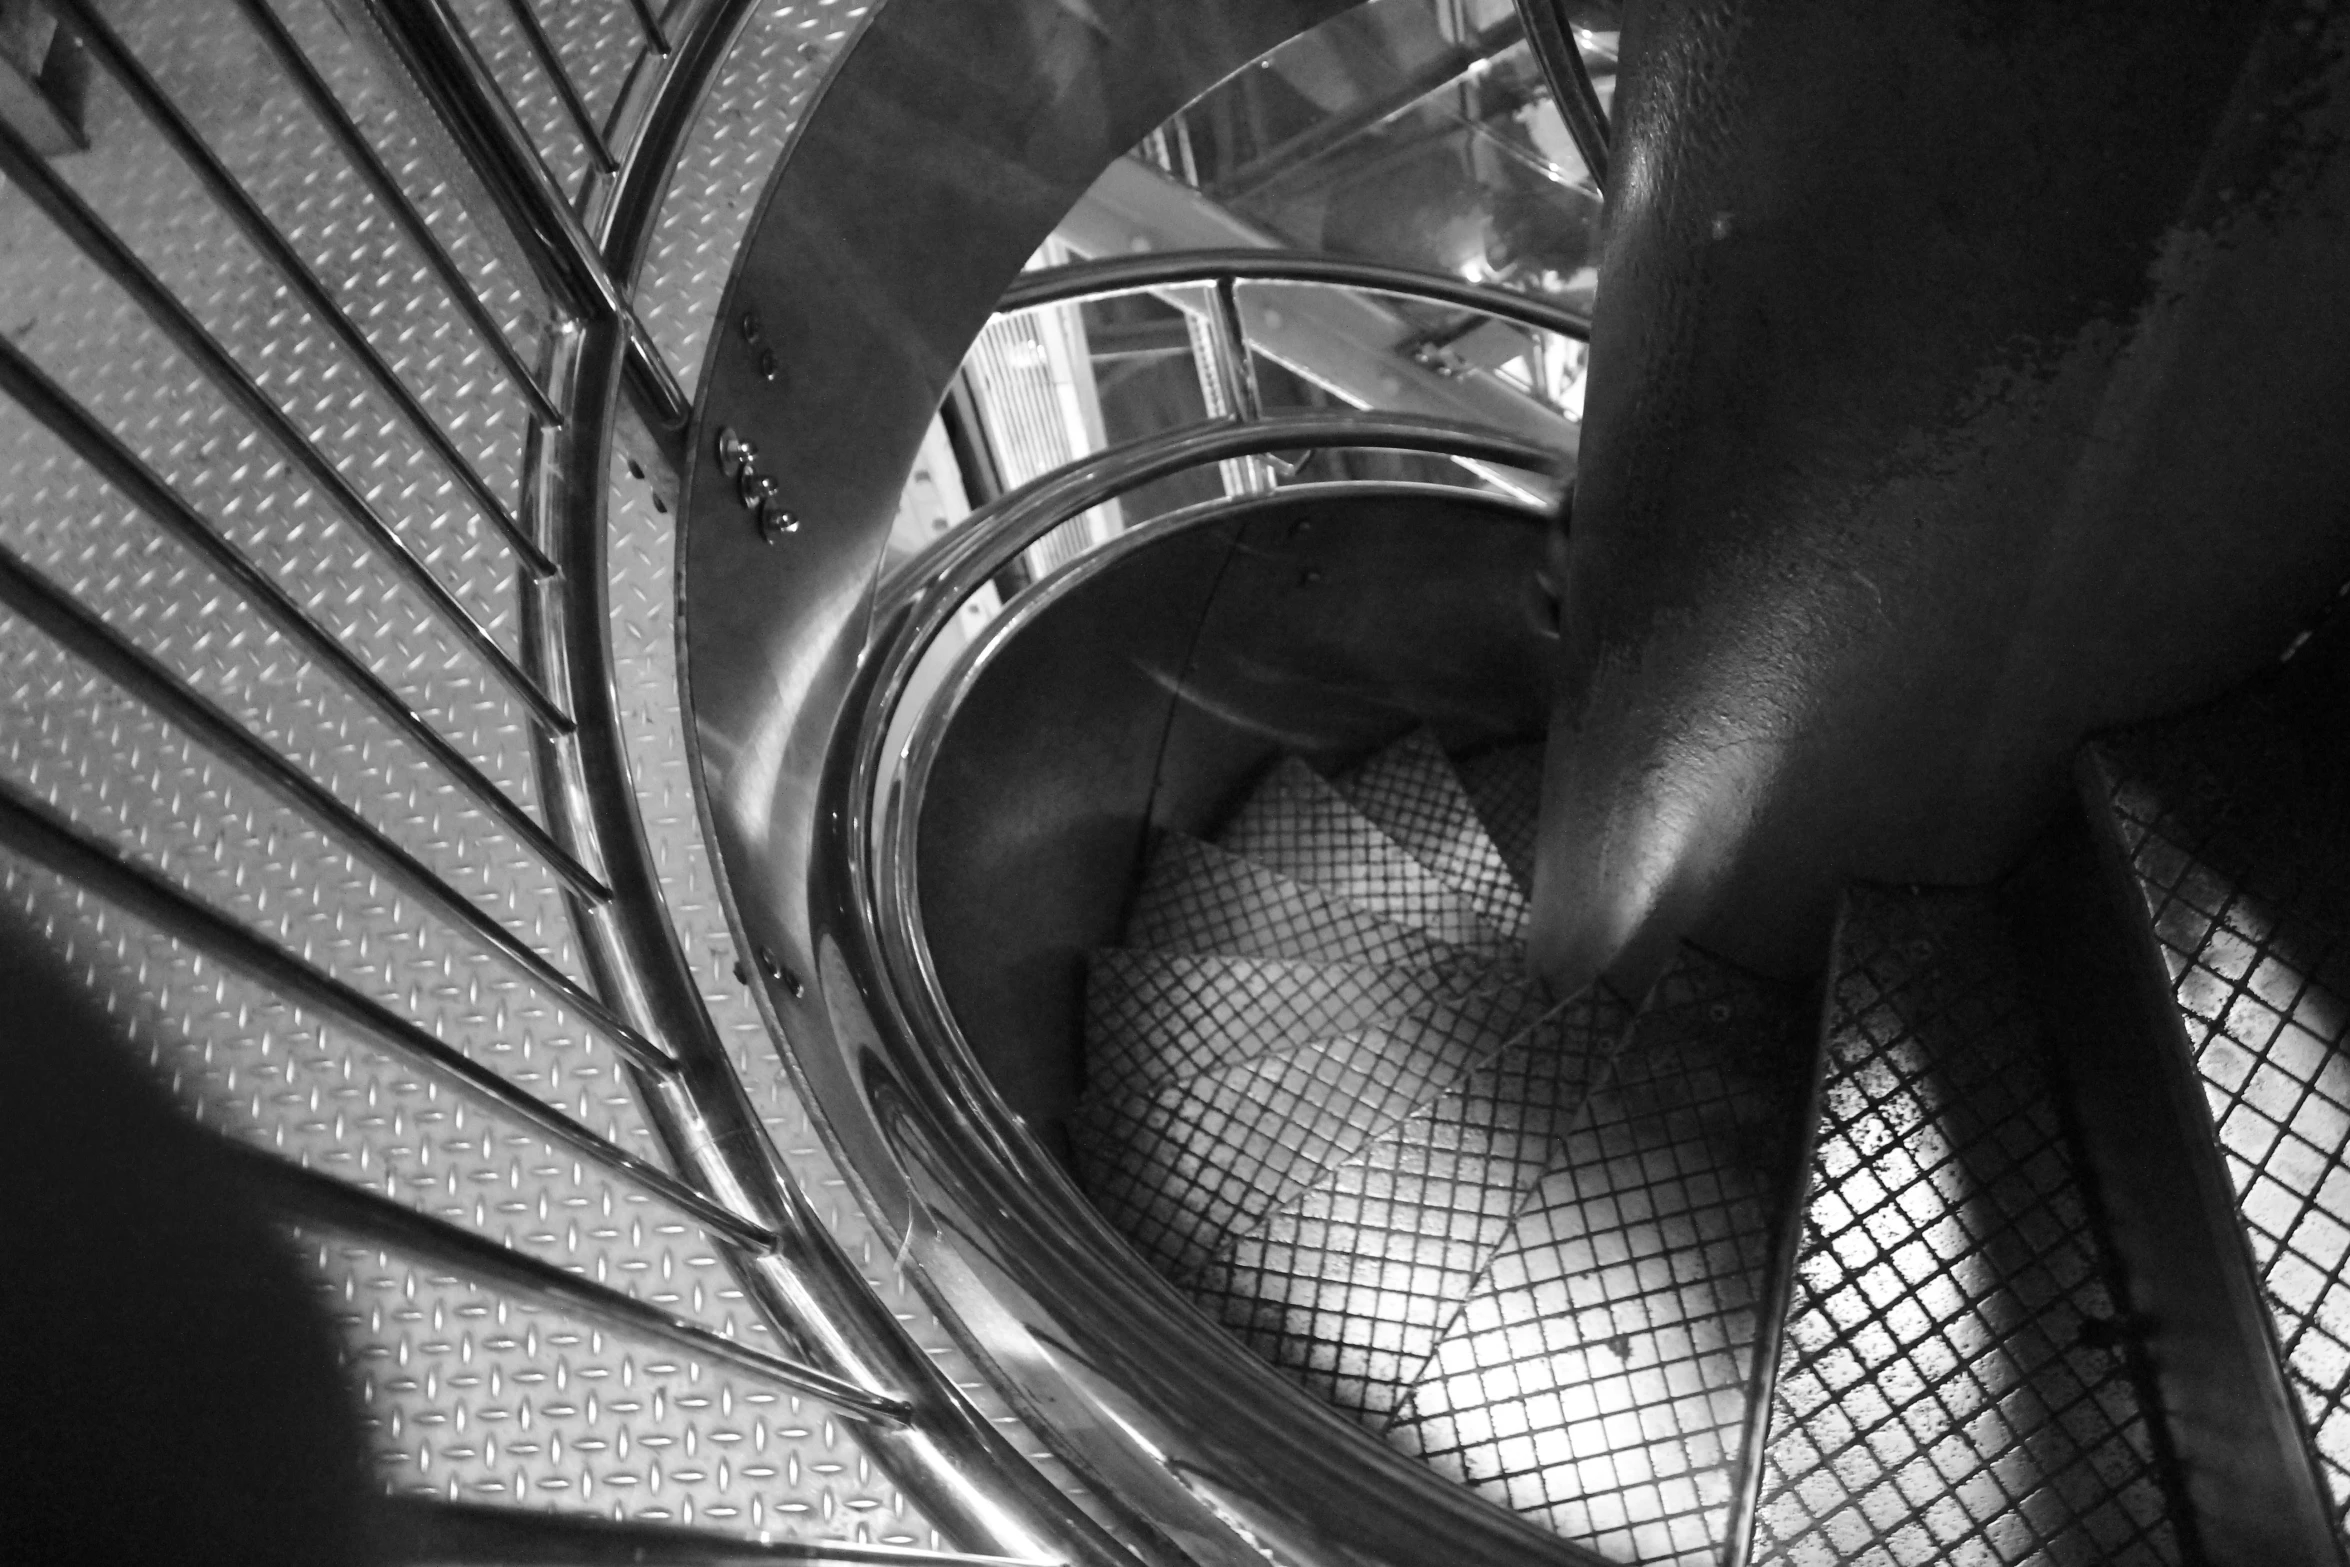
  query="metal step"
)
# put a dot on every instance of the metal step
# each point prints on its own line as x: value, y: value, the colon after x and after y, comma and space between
x: 2236, y: 825
x: 1153, y: 1016
x: 1954, y: 1382
x: 1181, y: 1166
x: 1347, y: 1285
x: 1299, y: 825
x: 1197, y: 898
x: 1412, y: 792
x: 1505, y: 785
x: 1596, y: 1377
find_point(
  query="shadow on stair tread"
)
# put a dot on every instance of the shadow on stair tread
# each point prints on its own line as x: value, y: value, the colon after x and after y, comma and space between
x: 2232, y: 824
x: 1152, y: 1016
x: 1602, y: 1272
x: 1180, y: 1164
x: 1415, y: 795
x: 1297, y: 823
x: 1949, y: 1329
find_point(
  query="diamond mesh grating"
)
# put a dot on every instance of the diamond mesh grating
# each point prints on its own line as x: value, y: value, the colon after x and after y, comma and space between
x: 1196, y: 898
x: 1178, y: 1168
x: 1151, y: 1016
x: 1412, y: 793
x: 1596, y: 1377
x: 1935, y: 1399
x: 1505, y: 785
x: 1297, y: 824
x: 2238, y: 855
x: 1347, y: 1285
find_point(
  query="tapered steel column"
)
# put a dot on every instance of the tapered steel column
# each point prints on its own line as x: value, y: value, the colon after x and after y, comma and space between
x: 1963, y: 378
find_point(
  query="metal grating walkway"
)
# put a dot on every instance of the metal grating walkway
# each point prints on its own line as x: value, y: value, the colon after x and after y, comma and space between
x: 1562, y: 1260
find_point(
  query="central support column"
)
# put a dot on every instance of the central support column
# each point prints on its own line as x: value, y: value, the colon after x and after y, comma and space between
x: 1965, y: 377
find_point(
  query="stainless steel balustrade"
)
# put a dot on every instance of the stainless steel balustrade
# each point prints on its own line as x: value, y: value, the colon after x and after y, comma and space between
x: 1109, y: 275
x: 1569, y: 79
x: 598, y: 380
x: 810, y: 1293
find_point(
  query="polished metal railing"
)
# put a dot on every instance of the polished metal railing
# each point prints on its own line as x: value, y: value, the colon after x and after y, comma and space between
x: 1552, y: 34
x: 1224, y: 270
x: 578, y: 370
x: 579, y: 246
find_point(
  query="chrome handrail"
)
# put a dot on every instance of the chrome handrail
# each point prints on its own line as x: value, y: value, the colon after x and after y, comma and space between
x: 1569, y: 79
x: 640, y: 996
x: 1107, y: 275
x: 1000, y: 1230
x: 923, y: 597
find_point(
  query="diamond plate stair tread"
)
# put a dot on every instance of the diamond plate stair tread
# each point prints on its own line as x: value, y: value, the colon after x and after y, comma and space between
x: 1298, y: 824
x: 1505, y: 784
x: 458, y: 1402
x: 1196, y: 898
x: 1411, y: 792
x: 1180, y: 1167
x: 1934, y: 1400
x: 1347, y: 1284
x: 2237, y: 828
x: 1596, y: 1376
x: 1155, y: 1016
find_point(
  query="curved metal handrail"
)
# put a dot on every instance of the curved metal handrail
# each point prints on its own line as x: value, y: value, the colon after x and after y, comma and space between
x: 917, y: 603
x: 841, y: 1345
x: 1128, y: 274
x: 993, y: 1213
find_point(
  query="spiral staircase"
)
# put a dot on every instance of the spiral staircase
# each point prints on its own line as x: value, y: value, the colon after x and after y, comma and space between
x: 1059, y: 1043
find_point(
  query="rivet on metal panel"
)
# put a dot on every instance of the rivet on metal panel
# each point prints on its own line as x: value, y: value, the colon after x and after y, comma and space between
x: 776, y: 519
x: 749, y: 325
x: 772, y: 967
x: 770, y: 367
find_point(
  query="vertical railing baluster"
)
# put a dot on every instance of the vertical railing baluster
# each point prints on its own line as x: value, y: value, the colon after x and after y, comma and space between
x: 650, y: 20
x: 50, y: 404
x: 31, y: 173
x: 263, y: 235
x: 370, y: 166
x: 542, y: 49
x: 425, y: 42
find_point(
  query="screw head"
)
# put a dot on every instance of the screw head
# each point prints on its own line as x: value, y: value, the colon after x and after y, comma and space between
x: 772, y: 966
x: 734, y: 452
x: 776, y: 519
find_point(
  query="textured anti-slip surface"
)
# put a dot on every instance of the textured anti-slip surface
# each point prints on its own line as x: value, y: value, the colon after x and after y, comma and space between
x: 467, y: 1394
x: 1527, y: 1244
x: 1943, y: 1394
x: 1413, y: 794
x: 1348, y: 1284
x: 1543, y: 1249
x: 2237, y: 829
x: 1596, y: 1375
